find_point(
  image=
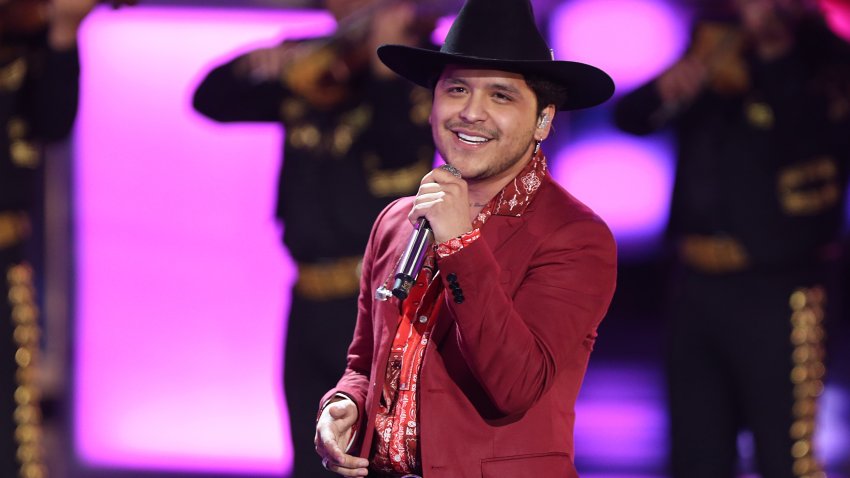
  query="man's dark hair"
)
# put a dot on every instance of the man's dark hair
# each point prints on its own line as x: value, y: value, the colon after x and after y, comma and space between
x: 546, y: 91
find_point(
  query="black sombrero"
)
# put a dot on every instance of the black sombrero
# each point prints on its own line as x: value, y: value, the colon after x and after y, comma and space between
x: 502, y: 35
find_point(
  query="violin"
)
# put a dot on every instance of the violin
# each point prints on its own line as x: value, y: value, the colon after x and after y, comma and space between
x: 320, y: 69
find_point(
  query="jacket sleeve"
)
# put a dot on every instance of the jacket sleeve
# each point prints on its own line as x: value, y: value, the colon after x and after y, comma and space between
x: 224, y: 95
x: 52, y: 93
x: 641, y: 112
x: 517, y: 343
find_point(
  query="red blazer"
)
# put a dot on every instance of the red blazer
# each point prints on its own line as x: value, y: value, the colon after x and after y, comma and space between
x: 501, y: 375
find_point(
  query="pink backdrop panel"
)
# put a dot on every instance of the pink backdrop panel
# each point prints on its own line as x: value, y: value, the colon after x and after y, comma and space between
x: 182, y: 284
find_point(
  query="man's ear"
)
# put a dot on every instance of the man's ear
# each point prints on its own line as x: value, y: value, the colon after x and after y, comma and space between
x: 544, y: 123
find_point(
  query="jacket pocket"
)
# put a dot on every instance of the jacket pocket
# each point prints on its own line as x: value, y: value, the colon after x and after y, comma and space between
x: 540, y: 465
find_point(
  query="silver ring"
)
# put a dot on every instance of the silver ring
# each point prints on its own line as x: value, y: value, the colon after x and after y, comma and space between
x: 325, y: 463
x: 451, y: 169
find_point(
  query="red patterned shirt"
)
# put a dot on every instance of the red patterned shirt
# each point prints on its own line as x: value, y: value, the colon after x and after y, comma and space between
x: 396, y: 441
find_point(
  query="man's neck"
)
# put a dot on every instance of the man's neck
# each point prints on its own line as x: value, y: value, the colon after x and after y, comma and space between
x: 481, y: 192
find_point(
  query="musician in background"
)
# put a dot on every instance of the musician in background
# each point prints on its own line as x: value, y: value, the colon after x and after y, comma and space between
x: 356, y: 138
x: 39, y: 73
x: 760, y: 105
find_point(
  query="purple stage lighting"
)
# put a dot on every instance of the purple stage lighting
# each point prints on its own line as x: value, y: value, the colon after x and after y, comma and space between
x: 626, y: 180
x: 630, y: 39
x: 837, y: 13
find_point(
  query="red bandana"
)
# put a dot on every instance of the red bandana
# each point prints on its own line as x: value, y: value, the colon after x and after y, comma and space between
x: 511, y: 201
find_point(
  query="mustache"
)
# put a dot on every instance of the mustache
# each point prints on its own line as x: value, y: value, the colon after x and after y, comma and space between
x: 489, y: 133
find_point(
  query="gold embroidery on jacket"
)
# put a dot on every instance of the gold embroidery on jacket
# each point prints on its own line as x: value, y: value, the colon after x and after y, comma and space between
x: 14, y: 228
x: 351, y: 126
x: 27, y: 416
x: 400, y: 181
x: 329, y: 280
x: 809, y: 188
x: 713, y: 254
x: 305, y: 136
x: 760, y: 115
x: 12, y: 76
x: 292, y: 110
x: 24, y: 153
x: 807, y: 335
x: 338, y: 141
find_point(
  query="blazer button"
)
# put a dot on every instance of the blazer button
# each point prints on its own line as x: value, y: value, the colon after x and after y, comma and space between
x: 452, y: 277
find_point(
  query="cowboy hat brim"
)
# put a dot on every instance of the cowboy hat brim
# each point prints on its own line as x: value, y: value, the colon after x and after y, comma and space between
x: 586, y: 85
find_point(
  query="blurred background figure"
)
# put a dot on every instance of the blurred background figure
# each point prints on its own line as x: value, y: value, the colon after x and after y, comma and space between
x: 39, y: 72
x: 760, y: 106
x: 356, y: 138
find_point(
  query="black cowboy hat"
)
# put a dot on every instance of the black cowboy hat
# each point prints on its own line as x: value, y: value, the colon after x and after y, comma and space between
x: 500, y: 35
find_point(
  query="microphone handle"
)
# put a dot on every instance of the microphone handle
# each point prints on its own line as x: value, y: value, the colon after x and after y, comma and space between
x: 411, y: 261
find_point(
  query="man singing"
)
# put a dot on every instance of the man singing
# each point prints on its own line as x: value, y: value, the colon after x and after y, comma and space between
x: 476, y: 372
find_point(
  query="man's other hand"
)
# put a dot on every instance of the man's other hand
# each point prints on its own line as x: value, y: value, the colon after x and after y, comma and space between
x: 334, y: 432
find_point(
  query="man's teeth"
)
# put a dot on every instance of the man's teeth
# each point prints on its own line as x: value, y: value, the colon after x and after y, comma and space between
x: 472, y: 139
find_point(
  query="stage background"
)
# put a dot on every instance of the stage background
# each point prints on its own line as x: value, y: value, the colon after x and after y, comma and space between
x: 180, y: 284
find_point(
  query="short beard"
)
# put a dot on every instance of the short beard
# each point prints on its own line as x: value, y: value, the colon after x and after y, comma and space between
x: 497, y: 169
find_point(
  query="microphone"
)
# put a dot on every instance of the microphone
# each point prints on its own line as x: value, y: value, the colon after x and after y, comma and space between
x: 411, y: 261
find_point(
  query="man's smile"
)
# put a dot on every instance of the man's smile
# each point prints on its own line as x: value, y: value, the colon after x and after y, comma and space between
x: 471, y: 137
